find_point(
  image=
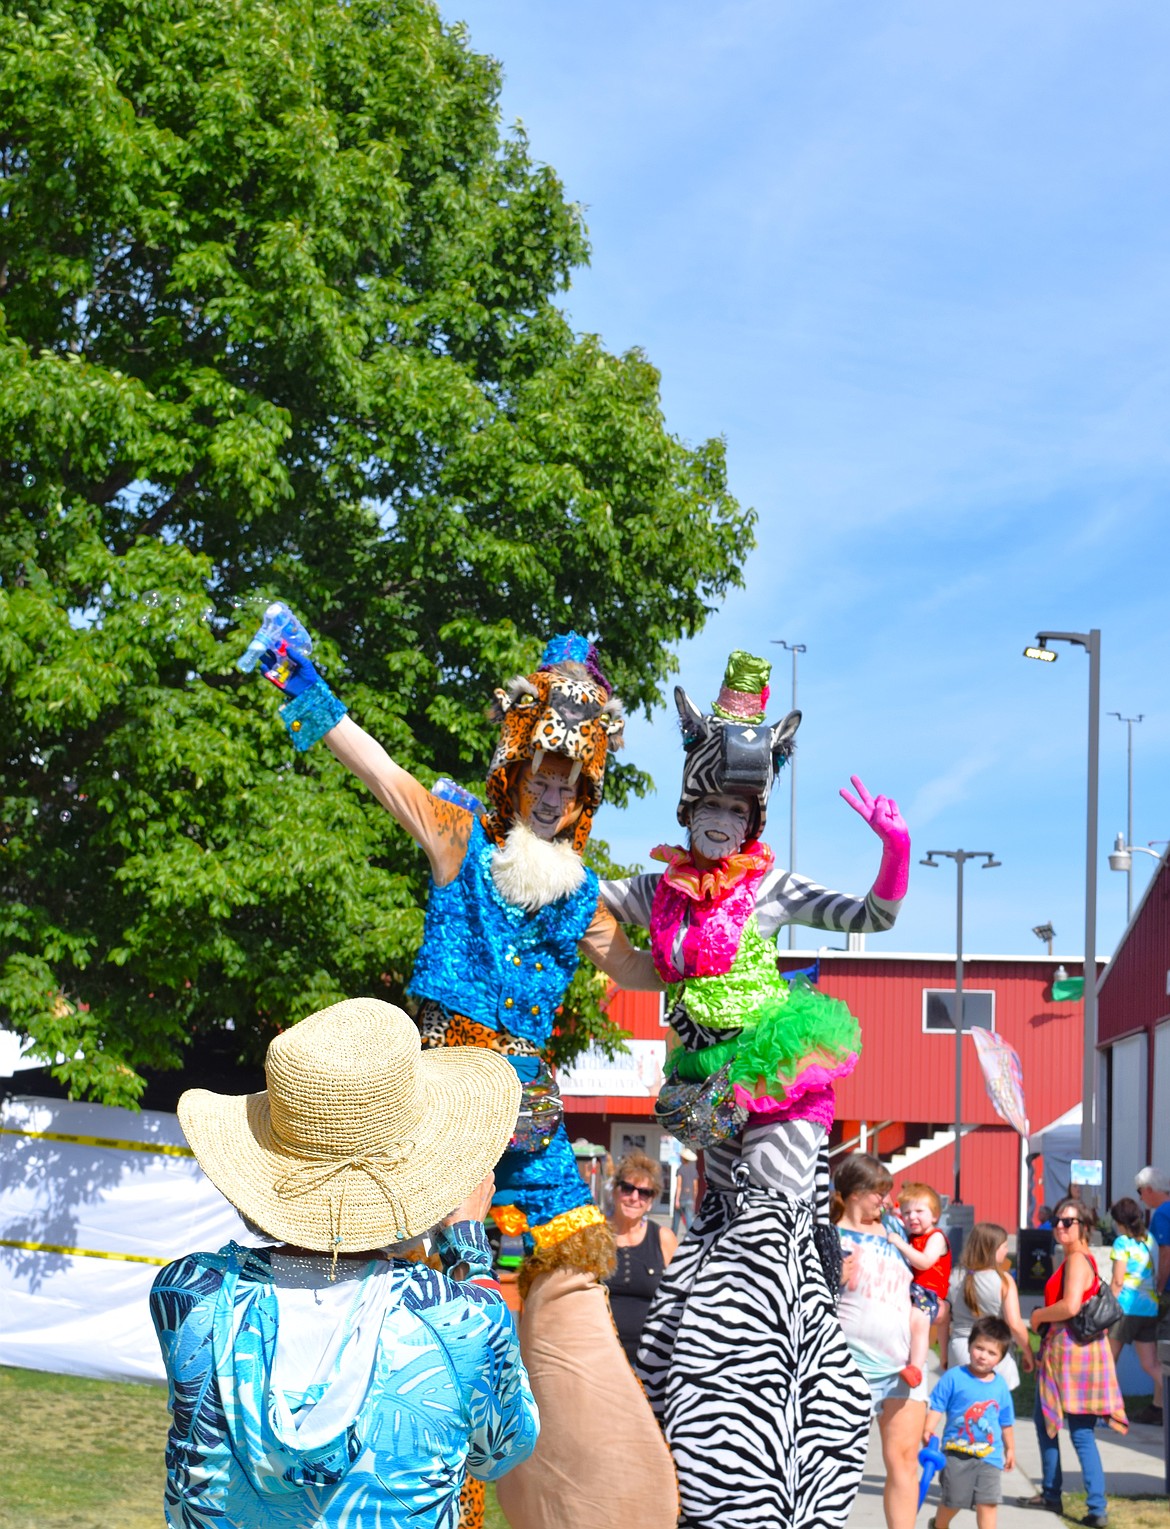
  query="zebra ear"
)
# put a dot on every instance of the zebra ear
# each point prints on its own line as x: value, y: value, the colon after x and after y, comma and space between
x: 691, y: 719
x: 782, y: 735
x: 613, y: 720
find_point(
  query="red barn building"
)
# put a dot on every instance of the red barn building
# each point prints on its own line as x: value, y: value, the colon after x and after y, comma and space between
x: 900, y: 1102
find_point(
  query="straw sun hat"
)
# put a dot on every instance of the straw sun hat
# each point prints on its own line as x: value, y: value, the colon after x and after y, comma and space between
x: 361, y: 1139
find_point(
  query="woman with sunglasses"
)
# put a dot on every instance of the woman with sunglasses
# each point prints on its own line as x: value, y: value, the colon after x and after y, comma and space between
x: 1075, y: 1382
x: 644, y: 1248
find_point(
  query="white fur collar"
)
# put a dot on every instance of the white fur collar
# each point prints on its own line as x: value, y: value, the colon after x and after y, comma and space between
x: 529, y: 872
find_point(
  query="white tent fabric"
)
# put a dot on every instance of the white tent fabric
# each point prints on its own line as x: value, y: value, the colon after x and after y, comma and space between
x: 93, y: 1201
x: 1058, y: 1143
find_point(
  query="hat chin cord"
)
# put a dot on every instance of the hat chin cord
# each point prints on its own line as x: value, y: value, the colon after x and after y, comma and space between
x: 315, y: 1173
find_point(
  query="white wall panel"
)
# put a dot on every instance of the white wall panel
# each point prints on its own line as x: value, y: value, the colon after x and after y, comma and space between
x: 1127, y: 1130
x: 1160, y: 1153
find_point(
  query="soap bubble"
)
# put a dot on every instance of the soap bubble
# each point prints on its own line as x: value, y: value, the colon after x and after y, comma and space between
x: 152, y: 598
x: 30, y: 480
x: 65, y: 815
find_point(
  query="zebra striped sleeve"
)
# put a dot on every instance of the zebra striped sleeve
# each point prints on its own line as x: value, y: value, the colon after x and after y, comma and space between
x: 630, y: 899
x: 789, y: 898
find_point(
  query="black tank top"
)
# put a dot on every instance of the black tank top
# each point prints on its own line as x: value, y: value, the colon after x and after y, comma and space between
x: 631, y: 1285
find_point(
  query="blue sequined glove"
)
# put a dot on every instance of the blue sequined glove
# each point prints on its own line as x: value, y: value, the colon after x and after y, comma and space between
x: 282, y: 647
x: 290, y: 669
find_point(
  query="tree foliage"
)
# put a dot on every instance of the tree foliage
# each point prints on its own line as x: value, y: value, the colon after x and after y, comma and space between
x: 278, y: 317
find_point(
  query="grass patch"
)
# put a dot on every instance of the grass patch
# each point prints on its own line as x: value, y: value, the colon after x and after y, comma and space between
x: 1124, y: 1512
x: 80, y: 1454
x: 88, y: 1454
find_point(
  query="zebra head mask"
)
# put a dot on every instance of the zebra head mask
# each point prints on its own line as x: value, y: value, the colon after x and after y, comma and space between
x: 732, y: 751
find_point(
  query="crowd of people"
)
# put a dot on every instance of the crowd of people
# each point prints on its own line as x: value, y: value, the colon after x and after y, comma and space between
x: 360, y: 1367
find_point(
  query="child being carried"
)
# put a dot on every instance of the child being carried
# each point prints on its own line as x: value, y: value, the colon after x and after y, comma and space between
x: 928, y: 1253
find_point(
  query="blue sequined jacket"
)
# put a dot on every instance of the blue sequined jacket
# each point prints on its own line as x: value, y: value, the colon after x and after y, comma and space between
x: 501, y: 966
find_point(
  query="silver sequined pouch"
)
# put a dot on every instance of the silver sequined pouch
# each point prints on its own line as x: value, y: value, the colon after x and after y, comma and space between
x: 700, y: 1114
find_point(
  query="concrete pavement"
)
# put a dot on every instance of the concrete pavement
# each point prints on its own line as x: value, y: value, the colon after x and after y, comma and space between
x: 1134, y: 1466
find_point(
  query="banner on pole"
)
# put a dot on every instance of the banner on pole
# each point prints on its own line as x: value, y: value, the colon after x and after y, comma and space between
x: 1003, y: 1077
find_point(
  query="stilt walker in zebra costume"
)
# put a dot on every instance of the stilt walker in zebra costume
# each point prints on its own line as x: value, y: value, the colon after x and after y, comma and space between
x: 742, y: 1354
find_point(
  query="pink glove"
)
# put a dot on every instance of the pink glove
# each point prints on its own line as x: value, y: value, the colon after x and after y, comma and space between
x: 882, y: 815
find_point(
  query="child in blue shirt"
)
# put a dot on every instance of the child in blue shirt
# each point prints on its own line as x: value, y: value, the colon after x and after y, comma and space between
x: 979, y: 1428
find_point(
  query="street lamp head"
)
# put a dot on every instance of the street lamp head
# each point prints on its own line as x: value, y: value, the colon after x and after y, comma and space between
x: 1042, y: 651
x: 928, y: 861
x: 990, y: 862
x: 1121, y: 858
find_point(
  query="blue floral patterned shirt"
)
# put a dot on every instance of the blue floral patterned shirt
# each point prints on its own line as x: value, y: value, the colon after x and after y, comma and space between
x: 446, y: 1393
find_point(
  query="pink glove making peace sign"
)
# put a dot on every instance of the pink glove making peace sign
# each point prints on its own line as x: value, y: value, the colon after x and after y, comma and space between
x: 882, y: 815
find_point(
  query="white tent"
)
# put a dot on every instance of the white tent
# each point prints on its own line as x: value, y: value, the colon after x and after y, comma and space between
x: 93, y: 1202
x: 1056, y: 1145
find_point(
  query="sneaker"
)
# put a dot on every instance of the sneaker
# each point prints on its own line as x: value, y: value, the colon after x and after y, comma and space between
x: 1095, y: 1521
x: 1150, y: 1414
x: 1046, y: 1504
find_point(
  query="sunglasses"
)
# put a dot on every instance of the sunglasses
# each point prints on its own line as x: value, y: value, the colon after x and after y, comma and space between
x: 624, y: 1188
x: 1064, y: 1222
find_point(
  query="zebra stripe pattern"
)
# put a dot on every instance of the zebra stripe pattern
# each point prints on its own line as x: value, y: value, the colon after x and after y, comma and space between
x: 783, y: 897
x: 720, y: 755
x: 743, y: 1358
x: 786, y: 897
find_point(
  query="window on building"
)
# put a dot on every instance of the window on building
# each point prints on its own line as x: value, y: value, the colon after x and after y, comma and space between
x: 938, y: 1010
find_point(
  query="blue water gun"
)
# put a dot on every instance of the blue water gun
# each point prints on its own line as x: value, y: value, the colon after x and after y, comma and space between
x: 282, y: 647
x: 932, y: 1460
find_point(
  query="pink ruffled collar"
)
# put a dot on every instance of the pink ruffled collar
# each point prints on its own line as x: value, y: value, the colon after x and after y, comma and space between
x: 711, y: 885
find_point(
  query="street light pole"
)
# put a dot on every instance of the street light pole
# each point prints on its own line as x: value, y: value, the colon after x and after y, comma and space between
x: 1129, y: 722
x: 1091, y: 642
x: 960, y: 857
x: 794, y: 648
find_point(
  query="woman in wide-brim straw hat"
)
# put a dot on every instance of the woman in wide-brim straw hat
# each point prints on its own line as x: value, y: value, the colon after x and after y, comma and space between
x: 324, y: 1380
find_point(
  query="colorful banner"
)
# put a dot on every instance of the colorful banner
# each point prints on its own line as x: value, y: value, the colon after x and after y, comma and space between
x: 1003, y: 1077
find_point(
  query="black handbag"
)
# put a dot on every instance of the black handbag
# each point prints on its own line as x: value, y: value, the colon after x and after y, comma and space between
x: 1096, y: 1316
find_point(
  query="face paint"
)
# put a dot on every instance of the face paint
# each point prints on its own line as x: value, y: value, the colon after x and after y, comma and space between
x: 718, y: 826
x: 548, y: 798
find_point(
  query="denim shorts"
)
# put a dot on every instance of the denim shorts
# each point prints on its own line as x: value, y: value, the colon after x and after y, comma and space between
x: 892, y: 1388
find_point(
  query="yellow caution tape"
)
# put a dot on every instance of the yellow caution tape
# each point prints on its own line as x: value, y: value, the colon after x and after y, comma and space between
x: 52, y: 1247
x: 164, y: 1148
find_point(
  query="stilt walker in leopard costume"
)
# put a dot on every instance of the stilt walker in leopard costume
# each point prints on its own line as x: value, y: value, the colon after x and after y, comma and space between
x: 510, y: 907
x: 742, y: 1354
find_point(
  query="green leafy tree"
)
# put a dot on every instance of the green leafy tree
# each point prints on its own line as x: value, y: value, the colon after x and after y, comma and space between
x: 278, y: 317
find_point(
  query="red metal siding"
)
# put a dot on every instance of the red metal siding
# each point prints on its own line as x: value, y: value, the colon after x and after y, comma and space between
x: 906, y: 1074
x: 1133, y: 995
x: 991, y: 1173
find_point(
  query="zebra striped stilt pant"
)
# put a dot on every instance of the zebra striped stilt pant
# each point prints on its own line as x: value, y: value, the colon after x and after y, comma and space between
x: 743, y: 1359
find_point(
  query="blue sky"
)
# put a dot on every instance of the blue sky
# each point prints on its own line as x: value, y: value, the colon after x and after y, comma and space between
x: 913, y: 262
